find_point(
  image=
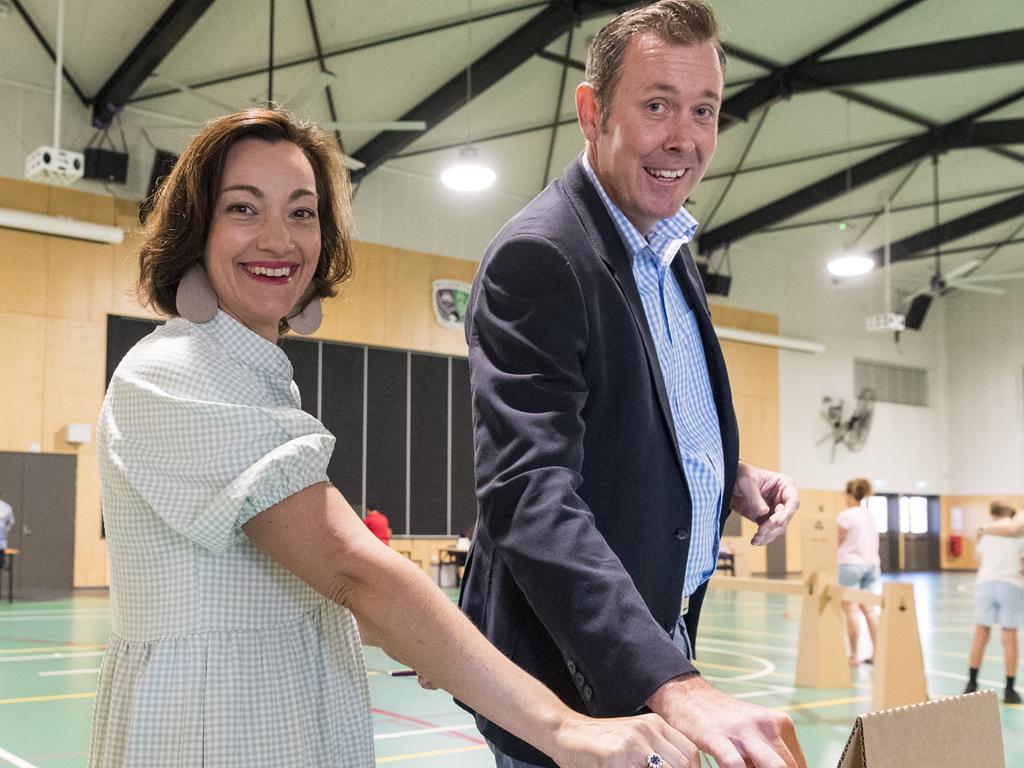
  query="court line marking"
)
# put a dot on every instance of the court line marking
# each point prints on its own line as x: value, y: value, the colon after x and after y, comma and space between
x: 418, y: 721
x: 415, y: 755
x: 767, y: 667
x: 419, y: 731
x: 14, y: 759
x: 55, y: 672
x: 52, y: 656
x: 81, y: 647
x: 55, y: 697
x: 826, y: 703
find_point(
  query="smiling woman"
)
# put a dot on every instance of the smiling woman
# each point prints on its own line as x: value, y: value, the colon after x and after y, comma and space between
x: 237, y: 572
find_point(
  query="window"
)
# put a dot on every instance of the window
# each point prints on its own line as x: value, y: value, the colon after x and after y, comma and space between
x: 913, y: 514
x: 892, y: 383
x: 879, y: 507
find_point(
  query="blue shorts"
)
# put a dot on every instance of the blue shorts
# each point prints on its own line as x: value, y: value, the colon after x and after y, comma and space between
x: 858, y: 576
x: 998, y: 602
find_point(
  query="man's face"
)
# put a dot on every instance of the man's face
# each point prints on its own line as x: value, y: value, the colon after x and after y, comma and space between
x: 661, y: 130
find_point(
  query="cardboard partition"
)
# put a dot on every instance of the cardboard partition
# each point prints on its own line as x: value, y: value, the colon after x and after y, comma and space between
x: 948, y: 733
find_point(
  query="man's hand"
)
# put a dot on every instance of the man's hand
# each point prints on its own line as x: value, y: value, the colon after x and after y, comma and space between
x: 767, y: 498
x: 736, y: 733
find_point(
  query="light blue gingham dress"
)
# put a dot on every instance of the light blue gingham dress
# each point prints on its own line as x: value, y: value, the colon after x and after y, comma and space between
x: 217, y: 655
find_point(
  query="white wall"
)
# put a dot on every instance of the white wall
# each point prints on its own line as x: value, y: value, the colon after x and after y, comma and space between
x: 986, y: 390
x: 907, y: 446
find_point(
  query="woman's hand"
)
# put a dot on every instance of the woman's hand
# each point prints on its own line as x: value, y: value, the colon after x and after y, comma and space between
x: 622, y: 742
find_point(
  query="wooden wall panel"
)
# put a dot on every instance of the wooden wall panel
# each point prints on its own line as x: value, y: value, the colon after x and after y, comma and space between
x: 73, y: 392
x: 976, y: 514
x: 25, y: 196
x: 90, y: 547
x: 23, y: 341
x: 79, y: 279
x: 23, y: 264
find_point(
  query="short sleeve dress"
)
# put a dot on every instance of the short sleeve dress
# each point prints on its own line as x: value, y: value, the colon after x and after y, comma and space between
x: 217, y: 656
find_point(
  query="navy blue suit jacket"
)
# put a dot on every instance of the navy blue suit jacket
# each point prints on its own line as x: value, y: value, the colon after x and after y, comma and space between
x: 576, y: 570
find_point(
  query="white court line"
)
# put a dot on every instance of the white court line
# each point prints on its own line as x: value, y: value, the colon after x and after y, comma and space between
x: 420, y: 731
x: 14, y: 759
x: 963, y: 678
x: 779, y: 690
x: 747, y: 644
x: 52, y: 656
x: 69, y: 672
x: 767, y: 667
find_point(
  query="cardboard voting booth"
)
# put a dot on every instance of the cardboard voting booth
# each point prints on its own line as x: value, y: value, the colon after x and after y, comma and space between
x: 958, y: 732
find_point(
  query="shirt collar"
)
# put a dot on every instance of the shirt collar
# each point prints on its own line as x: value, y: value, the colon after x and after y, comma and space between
x: 243, y: 344
x: 667, y: 236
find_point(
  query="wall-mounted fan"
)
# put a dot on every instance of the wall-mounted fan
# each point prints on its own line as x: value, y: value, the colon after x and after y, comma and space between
x: 840, y: 429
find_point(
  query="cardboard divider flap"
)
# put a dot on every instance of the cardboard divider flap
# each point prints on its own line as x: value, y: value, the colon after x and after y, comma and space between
x: 957, y: 732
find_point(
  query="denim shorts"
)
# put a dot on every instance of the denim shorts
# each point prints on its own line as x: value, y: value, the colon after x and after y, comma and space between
x: 998, y: 602
x: 858, y: 576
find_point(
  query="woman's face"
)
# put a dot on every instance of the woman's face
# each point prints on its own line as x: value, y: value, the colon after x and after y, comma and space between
x: 264, y: 240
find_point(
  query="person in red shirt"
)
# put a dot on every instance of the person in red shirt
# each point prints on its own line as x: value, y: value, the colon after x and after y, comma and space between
x: 377, y: 522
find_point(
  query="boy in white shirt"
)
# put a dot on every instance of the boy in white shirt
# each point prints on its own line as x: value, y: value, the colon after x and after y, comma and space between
x: 998, y: 599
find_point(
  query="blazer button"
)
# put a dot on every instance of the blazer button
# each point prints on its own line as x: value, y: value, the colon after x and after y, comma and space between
x: 588, y: 693
x: 578, y: 679
x: 572, y: 668
x: 682, y: 534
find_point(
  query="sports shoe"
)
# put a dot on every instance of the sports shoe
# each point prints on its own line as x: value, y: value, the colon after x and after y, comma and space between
x: 1011, y: 696
x: 972, y: 686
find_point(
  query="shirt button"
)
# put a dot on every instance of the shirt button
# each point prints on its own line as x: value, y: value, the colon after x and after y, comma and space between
x: 682, y: 534
x: 588, y: 693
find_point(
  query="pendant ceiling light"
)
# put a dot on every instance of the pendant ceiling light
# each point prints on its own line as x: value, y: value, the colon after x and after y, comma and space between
x: 468, y: 174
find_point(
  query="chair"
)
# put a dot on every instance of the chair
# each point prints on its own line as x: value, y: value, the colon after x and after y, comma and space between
x: 726, y: 562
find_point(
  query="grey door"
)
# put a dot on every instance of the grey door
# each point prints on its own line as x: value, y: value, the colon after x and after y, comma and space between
x: 43, y: 496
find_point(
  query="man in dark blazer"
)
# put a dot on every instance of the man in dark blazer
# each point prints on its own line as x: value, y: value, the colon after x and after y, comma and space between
x: 607, y: 451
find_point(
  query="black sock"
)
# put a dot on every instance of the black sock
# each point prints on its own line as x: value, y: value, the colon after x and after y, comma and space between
x: 1009, y: 682
x: 974, y: 674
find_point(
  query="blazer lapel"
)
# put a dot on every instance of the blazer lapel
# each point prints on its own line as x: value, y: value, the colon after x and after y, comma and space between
x: 606, y: 242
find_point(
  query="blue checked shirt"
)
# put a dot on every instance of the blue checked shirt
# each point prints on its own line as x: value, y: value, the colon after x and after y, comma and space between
x: 685, y: 370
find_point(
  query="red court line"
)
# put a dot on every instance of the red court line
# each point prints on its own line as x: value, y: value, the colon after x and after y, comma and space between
x: 427, y: 723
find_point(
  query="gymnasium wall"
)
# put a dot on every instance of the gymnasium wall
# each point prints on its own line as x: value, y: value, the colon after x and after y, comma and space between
x: 53, y: 325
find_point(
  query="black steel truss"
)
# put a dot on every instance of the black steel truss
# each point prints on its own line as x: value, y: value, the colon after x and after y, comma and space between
x: 959, y: 134
x: 509, y: 53
x: 916, y: 246
x: 161, y: 38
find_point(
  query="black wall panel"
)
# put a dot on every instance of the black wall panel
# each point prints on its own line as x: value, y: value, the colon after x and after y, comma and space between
x: 342, y: 413
x: 123, y: 333
x: 386, y: 421
x: 463, y: 489
x: 304, y: 356
x: 428, y: 445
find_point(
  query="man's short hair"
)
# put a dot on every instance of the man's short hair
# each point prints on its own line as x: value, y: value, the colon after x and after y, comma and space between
x: 684, y: 22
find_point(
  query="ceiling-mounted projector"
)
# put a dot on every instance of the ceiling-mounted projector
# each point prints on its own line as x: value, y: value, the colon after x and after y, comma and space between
x: 54, y: 166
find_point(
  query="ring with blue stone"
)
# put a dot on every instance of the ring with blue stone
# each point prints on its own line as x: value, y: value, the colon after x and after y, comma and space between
x: 654, y: 760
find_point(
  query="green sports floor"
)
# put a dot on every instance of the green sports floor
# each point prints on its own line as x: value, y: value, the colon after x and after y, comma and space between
x: 50, y: 653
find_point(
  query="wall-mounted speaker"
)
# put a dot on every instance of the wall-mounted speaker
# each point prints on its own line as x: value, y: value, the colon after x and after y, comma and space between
x: 918, y: 309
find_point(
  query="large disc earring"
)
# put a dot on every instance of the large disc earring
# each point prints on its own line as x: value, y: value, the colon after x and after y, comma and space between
x: 306, y: 320
x: 195, y: 299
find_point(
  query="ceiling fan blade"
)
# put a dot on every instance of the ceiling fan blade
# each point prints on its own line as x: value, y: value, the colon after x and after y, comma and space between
x: 187, y: 89
x: 977, y: 288
x: 354, y: 165
x: 379, y: 125
x: 964, y: 268
x: 994, y: 277
x: 310, y: 88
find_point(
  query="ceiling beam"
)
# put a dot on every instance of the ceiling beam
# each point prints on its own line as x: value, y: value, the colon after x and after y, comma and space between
x: 915, y: 61
x: 776, y: 84
x: 161, y: 38
x: 961, y: 134
x: 916, y: 246
x: 49, y: 49
x: 521, y: 45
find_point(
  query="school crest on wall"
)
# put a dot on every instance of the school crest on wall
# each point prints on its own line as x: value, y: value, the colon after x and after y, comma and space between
x: 450, y: 300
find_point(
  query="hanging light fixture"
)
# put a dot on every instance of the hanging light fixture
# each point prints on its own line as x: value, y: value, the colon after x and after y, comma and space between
x: 468, y: 174
x: 849, y: 263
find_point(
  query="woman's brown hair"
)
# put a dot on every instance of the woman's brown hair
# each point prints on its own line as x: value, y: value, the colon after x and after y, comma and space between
x: 175, y: 231
x: 859, y: 488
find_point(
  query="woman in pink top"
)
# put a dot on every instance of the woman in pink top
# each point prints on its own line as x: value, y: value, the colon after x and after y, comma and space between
x: 859, y: 564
